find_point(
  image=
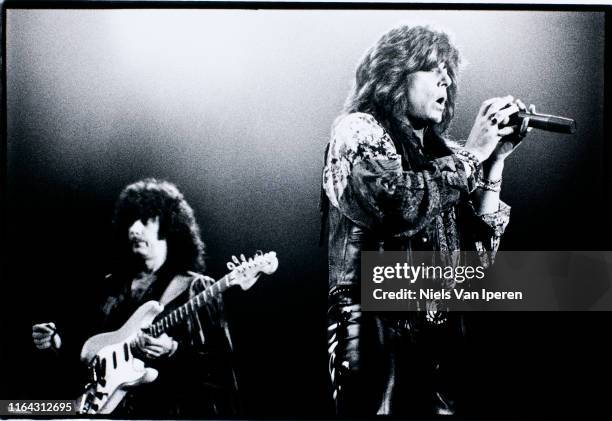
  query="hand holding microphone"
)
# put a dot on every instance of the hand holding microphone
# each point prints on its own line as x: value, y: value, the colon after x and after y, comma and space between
x: 551, y: 123
x: 502, y: 123
x: 487, y: 137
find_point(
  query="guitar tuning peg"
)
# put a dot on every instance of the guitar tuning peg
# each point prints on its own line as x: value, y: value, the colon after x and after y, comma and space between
x: 259, y: 253
x: 242, y: 258
x: 235, y: 259
x: 231, y: 266
x: 251, y: 260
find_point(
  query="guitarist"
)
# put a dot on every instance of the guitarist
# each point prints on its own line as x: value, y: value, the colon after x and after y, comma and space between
x: 159, y: 256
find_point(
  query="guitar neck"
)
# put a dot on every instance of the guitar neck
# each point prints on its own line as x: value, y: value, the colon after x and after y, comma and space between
x: 181, y: 313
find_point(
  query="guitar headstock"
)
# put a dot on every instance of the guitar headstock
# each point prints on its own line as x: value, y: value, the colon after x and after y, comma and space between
x: 245, y: 273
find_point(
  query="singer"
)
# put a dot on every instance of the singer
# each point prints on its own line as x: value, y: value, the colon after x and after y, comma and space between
x: 391, y: 180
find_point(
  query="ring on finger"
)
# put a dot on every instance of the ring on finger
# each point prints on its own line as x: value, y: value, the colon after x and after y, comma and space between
x: 493, y: 118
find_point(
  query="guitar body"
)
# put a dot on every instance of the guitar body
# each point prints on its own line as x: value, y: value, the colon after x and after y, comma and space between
x: 117, y: 368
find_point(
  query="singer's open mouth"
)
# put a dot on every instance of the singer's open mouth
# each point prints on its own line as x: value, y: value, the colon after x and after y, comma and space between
x: 441, y: 100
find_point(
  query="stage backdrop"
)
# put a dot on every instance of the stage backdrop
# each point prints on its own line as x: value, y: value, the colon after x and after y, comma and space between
x: 235, y: 107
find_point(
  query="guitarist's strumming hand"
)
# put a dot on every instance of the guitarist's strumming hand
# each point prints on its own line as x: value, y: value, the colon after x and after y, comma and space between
x: 153, y: 348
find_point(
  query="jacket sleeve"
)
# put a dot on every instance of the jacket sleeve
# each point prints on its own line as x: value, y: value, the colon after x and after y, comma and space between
x: 211, y: 316
x: 210, y: 337
x: 363, y: 177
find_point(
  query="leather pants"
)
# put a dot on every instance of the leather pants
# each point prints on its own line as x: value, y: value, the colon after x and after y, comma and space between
x: 392, y: 363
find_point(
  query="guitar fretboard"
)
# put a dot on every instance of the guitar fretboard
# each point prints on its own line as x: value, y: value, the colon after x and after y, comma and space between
x: 181, y: 313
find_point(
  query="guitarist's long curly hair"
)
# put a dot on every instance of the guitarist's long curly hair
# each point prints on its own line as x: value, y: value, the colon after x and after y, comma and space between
x: 149, y: 198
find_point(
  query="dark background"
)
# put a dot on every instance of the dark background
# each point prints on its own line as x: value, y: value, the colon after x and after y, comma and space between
x: 235, y: 107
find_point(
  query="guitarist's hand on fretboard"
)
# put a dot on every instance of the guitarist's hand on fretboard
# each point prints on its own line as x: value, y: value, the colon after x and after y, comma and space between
x: 153, y: 348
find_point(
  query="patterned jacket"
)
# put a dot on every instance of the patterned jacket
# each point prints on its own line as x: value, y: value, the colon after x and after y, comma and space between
x: 395, y: 195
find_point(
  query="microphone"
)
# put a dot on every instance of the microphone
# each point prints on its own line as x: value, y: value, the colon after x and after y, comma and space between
x: 551, y: 123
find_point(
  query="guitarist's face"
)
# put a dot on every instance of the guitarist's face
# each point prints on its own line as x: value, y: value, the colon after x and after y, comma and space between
x: 145, y: 242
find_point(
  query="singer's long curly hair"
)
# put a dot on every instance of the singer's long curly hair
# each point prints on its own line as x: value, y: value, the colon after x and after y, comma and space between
x: 381, y: 77
x: 150, y: 198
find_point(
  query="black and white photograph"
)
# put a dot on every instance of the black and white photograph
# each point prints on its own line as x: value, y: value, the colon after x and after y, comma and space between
x: 192, y: 191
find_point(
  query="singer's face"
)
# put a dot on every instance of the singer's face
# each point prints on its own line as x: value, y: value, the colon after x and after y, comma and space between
x: 427, y: 95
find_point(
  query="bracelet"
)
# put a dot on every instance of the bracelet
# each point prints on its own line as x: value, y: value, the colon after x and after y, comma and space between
x: 469, y: 155
x: 489, y: 188
x: 490, y: 185
x: 469, y: 159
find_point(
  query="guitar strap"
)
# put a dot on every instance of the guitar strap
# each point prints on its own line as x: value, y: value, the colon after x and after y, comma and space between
x: 176, y: 287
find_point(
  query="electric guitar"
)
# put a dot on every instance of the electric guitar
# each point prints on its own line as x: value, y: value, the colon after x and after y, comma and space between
x: 114, y: 368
